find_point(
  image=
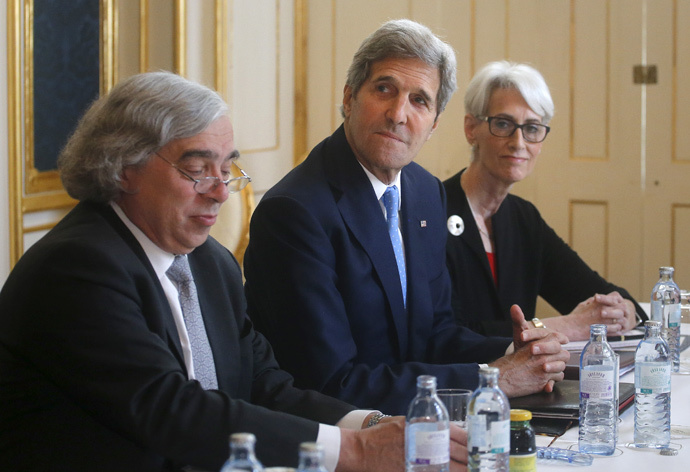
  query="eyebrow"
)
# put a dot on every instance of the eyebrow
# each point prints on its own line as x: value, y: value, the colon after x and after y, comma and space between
x: 512, y: 118
x: 207, y: 154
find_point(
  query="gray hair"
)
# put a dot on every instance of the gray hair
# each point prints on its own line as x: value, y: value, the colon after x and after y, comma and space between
x: 139, y: 116
x: 405, y: 39
x: 509, y: 75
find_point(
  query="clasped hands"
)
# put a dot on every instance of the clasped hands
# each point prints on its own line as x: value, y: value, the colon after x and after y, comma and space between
x: 537, y: 362
x: 612, y: 310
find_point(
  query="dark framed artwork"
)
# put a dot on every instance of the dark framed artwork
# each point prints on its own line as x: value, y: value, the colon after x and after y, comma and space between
x: 63, y: 45
x: 66, y: 72
x: 60, y: 58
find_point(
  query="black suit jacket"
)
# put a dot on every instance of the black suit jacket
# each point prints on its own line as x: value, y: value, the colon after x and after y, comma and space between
x: 531, y: 260
x: 92, y: 375
x: 321, y: 274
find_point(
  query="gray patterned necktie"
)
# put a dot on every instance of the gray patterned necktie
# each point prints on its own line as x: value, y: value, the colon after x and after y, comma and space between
x: 204, y: 368
x: 391, y: 198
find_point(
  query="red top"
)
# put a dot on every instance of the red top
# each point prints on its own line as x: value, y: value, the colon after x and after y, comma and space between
x: 492, y: 264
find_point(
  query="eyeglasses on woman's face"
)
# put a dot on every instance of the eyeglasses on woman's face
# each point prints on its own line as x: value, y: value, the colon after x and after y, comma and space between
x: 503, y: 127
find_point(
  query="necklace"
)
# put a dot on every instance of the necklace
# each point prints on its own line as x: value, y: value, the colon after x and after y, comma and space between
x: 478, y: 222
x: 483, y: 232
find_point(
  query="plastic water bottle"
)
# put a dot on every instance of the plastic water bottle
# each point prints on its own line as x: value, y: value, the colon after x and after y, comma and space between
x: 311, y: 457
x: 242, y: 457
x: 427, y: 433
x: 652, y: 389
x: 488, y: 421
x: 665, y: 307
x: 598, y: 392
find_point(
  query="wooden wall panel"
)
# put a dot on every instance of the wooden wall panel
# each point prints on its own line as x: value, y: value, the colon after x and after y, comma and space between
x: 589, y: 227
x: 590, y: 85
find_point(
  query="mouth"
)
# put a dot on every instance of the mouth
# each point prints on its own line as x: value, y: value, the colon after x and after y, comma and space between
x: 516, y: 158
x: 207, y: 219
x: 389, y: 135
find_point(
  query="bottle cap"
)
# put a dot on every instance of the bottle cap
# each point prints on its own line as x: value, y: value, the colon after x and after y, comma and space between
x: 242, y: 437
x: 520, y: 415
x: 311, y: 447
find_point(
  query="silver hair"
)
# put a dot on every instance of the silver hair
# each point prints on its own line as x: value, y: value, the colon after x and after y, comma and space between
x: 124, y: 128
x: 509, y: 75
x: 405, y: 39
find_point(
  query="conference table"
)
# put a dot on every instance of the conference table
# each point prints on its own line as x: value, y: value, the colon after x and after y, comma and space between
x: 630, y: 459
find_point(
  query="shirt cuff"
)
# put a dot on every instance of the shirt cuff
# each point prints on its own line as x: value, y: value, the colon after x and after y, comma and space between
x: 329, y: 436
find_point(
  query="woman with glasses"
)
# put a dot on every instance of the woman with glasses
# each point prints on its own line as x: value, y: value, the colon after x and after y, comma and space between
x: 500, y: 251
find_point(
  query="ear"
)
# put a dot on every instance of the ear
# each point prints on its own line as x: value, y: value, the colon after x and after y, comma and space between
x: 347, y: 100
x: 128, y: 179
x: 433, y: 128
x: 470, y: 129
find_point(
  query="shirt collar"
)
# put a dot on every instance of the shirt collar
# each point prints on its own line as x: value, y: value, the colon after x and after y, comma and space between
x: 380, y: 187
x: 160, y: 259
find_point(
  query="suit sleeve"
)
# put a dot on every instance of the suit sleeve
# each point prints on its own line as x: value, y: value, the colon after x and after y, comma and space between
x: 299, y: 289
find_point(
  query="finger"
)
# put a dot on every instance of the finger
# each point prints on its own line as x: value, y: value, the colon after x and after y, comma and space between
x: 458, y: 434
x: 549, y: 344
x: 518, y: 318
x: 537, y: 334
x: 456, y: 467
x: 554, y: 367
x: 458, y: 453
x: 612, y: 298
x: 548, y: 388
x: 615, y: 329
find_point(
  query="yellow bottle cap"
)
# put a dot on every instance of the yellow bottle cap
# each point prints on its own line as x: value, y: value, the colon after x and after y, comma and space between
x: 520, y: 415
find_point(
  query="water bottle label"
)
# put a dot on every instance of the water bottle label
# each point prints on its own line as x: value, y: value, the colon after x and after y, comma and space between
x: 432, y: 447
x: 652, y: 378
x: 500, y: 436
x: 674, y: 315
x: 655, y: 311
x: 597, y: 384
x: 494, y: 437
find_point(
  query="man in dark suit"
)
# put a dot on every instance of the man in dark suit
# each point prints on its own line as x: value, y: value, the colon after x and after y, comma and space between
x: 98, y: 360
x: 349, y: 314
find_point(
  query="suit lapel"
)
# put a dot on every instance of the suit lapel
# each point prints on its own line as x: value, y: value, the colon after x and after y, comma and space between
x: 362, y: 214
x: 173, y: 337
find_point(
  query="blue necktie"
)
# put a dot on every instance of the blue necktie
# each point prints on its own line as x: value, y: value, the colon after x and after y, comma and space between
x: 204, y: 368
x: 391, y: 197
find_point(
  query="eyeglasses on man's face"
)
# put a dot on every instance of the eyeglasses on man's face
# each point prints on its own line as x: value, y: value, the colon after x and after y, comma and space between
x: 208, y: 184
x: 505, y: 127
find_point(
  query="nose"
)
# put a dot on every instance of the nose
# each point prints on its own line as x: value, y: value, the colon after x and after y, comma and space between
x: 517, y: 140
x: 219, y: 193
x: 397, y: 110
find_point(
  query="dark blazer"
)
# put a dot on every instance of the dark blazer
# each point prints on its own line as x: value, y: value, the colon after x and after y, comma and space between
x: 92, y: 375
x: 531, y: 260
x: 322, y: 284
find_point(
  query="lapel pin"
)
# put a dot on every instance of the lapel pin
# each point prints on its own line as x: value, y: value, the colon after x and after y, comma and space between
x: 455, y: 225
x: 422, y: 223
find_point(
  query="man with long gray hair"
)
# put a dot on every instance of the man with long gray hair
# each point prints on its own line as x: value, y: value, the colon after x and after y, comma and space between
x: 125, y: 345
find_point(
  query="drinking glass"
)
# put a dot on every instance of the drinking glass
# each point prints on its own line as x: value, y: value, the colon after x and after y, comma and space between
x: 456, y: 401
